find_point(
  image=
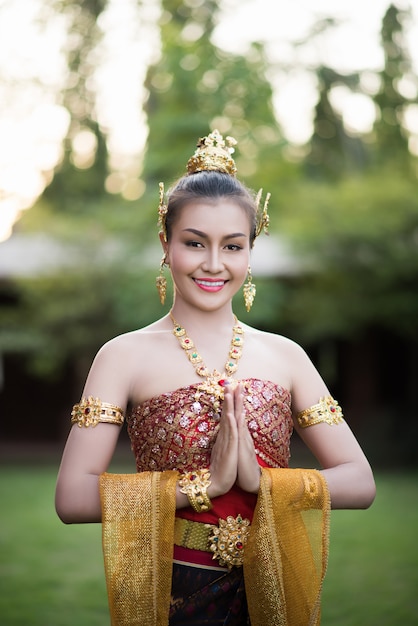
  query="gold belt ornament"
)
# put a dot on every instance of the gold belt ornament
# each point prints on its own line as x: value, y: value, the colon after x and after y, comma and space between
x: 226, y: 541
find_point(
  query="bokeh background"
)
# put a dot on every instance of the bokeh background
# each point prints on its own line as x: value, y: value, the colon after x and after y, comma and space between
x: 100, y: 100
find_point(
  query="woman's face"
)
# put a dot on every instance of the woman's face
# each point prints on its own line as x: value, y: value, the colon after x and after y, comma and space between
x: 209, y: 251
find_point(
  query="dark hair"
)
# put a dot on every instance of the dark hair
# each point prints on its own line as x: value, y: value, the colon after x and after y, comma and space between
x: 209, y: 184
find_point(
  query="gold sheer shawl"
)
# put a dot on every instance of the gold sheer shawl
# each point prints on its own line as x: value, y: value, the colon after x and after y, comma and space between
x: 285, y: 557
x: 138, y: 534
x: 287, y: 551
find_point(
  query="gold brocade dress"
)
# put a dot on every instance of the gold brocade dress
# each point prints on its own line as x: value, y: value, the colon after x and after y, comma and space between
x: 286, y: 553
x: 174, y: 431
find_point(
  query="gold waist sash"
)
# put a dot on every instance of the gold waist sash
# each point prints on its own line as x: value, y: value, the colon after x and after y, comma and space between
x: 226, y: 541
x: 192, y: 535
x: 285, y: 554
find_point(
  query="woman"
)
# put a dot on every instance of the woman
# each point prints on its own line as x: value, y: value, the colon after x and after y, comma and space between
x: 213, y: 529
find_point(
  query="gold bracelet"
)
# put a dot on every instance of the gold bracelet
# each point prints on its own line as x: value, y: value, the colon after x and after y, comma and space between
x: 194, y: 485
x: 327, y: 410
x: 90, y: 411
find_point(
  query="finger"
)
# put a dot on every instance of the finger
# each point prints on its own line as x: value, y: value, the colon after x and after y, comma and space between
x: 228, y: 408
x: 239, y: 405
x: 224, y: 456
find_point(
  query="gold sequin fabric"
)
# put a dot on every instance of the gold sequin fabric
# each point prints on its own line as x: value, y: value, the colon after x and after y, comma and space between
x: 176, y: 430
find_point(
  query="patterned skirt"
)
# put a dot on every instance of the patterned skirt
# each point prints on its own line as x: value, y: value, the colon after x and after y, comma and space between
x: 206, y: 597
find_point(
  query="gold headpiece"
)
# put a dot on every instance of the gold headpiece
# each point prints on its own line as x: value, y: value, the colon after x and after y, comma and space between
x: 212, y: 154
x: 162, y: 212
x: 263, y: 219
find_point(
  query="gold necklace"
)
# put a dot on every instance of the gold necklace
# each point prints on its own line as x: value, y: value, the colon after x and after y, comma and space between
x: 214, y: 381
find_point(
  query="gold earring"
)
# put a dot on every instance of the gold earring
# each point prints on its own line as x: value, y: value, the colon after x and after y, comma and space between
x: 161, y: 281
x: 249, y: 290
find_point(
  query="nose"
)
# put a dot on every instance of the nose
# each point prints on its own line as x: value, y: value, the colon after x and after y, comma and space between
x: 213, y: 262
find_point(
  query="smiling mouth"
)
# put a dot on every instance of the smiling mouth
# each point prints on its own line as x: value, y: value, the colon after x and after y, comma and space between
x: 210, y: 285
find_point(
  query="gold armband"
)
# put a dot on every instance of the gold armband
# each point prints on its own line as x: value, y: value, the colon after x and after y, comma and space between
x: 194, y: 485
x: 90, y: 411
x: 327, y: 410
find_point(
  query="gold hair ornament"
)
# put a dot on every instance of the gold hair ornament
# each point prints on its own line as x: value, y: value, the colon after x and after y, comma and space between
x: 212, y: 154
x: 162, y: 212
x: 195, y: 485
x: 90, y: 411
x: 327, y: 410
x: 262, y: 216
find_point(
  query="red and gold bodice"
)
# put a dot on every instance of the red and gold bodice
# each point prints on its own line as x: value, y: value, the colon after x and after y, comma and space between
x: 176, y: 430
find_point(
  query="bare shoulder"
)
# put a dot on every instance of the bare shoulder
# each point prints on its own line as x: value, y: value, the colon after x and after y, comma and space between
x: 274, y: 341
x: 270, y: 356
x: 125, y: 363
x: 305, y: 382
x: 126, y: 344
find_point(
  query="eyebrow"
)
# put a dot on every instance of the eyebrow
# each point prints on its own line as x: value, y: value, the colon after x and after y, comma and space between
x: 199, y: 233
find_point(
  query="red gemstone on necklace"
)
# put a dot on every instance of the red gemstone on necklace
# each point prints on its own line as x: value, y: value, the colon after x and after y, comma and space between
x: 221, y: 382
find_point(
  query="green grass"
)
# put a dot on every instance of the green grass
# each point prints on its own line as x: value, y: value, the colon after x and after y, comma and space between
x: 52, y: 574
x: 372, y: 576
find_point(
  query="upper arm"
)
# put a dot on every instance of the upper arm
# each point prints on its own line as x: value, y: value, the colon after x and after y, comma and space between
x: 109, y: 378
x: 307, y: 386
x: 88, y: 451
x: 332, y: 444
x: 109, y: 381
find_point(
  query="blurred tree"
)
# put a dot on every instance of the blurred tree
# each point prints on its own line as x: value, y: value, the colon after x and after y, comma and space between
x: 358, y: 245
x: 192, y: 88
x: 81, y: 174
x: 64, y: 317
x: 391, y: 136
x: 333, y: 152
x: 356, y: 237
x: 195, y: 87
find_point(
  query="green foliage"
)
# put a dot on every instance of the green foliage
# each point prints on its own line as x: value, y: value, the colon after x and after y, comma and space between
x: 195, y: 86
x: 72, y: 185
x: 355, y: 238
x: 68, y: 316
x: 390, y: 135
x: 73, y: 188
x: 267, y: 313
x: 333, y: 151
x: 358, y: 244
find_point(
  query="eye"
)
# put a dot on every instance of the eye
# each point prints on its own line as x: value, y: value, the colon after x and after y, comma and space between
x: 194, y: 244
x: 233, y: 247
